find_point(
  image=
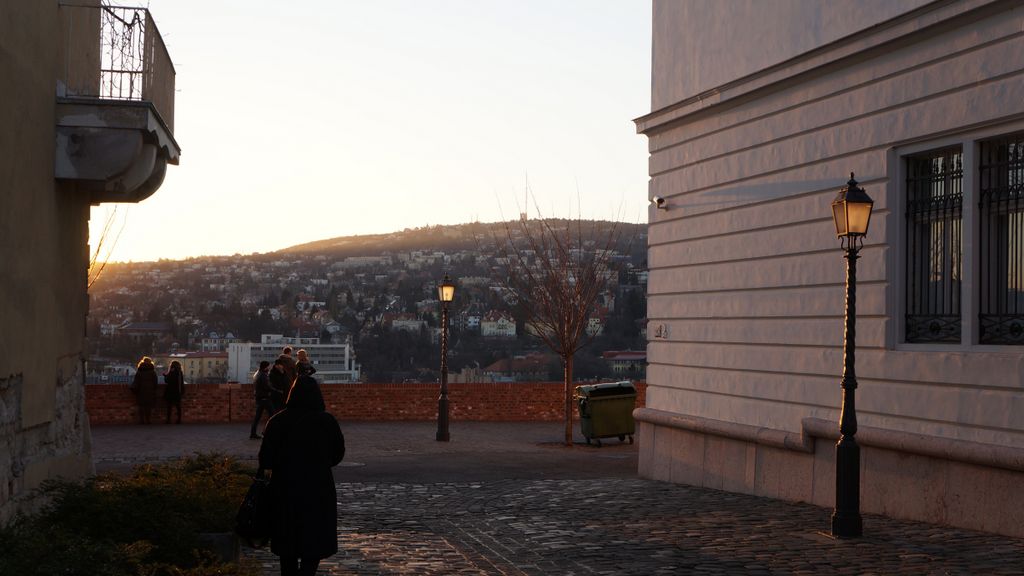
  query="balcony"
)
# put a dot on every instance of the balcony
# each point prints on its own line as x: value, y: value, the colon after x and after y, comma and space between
x: 115, y: 103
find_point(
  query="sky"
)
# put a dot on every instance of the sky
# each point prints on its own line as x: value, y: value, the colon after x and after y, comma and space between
x: 306, y: 120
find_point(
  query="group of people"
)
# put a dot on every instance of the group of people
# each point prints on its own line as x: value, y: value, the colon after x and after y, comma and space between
x: 302, y: 442
x: 271, y: 384
x: 144, y: 386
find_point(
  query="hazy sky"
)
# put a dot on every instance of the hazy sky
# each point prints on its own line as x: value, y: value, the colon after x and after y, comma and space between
x: 306, y: 120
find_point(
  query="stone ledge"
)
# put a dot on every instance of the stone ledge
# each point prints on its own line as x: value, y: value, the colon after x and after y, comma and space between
x: 1006, y: 457
x: 965, y: 451
x: 755, y: 434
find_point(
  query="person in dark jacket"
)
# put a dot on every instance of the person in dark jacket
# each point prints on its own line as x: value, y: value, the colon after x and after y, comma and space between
x: 300, y: 446
x: 175, y: 389
x: 279, y: 385
x: 303, y: 366
x: 288, y: 362
x: 262, y: 392
x: 144, y: 386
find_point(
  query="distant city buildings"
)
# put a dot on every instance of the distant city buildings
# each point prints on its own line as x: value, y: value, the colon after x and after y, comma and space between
x: 140, y: 330
x: 526, y: 368
x: 626, y: 362
x: 374, y: 302
x: 405, y: 321
x: 334, y: 363
x: 197, y: 367
x: 216, y: 343
x: 498, y: 324
x: 595, y: 324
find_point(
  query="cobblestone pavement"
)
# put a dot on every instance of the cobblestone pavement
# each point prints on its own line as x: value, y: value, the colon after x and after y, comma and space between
x: 628, y: 526
x: 506, y: 498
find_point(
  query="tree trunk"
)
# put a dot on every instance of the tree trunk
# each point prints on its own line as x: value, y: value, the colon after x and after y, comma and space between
x: 567, y: 363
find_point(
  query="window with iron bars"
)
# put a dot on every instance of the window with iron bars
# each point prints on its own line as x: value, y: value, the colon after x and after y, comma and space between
x: 935, y: 211
x: 934, y: 226
x: 1001, y: 242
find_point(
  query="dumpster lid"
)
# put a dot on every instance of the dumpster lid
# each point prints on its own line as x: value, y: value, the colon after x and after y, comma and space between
x: 606, y: 389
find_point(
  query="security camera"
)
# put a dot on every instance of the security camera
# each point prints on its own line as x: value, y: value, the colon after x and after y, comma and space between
x: 659, y: 202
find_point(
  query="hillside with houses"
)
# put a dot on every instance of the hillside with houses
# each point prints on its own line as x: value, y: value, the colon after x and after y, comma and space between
x: 378, y: 295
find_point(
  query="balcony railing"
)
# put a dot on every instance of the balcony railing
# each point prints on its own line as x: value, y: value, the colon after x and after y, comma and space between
x: 131, y: 59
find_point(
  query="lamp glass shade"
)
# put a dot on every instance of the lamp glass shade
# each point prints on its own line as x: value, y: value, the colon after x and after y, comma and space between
x: 446, y: 291
x: 839, y: 216
x: 858, y: 215
x: 851, y: 210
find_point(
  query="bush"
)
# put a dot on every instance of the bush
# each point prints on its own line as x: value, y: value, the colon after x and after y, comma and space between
x: 146, y: 522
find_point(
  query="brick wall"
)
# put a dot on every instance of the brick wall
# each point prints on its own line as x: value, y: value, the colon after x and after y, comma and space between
x: 213, y: 403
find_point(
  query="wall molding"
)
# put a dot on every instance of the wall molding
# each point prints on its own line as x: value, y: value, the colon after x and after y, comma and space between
x: 977, y: 453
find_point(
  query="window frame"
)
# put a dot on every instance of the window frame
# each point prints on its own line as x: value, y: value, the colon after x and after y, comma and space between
x: 970, y: 304
x: 927, y: 255
x: 1006, y: 213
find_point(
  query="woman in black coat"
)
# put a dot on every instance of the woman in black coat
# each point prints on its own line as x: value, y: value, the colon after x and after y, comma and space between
x: 175, y: 381
x: 144, y: 386
x: 300, y: 446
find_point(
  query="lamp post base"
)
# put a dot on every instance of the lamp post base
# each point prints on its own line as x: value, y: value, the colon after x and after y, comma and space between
x: 442, y: 420
x: 847, y: 526
x: 846, y: 519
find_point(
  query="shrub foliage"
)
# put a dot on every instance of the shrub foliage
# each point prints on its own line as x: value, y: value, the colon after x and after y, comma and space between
x: 145, y: 522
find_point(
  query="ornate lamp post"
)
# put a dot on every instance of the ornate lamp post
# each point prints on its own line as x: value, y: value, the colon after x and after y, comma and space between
x: 445, y: 293
x: 851, y: 211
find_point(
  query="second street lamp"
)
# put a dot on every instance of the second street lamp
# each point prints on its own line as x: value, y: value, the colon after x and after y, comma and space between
x: 445, y: 293
x: 851, y: 212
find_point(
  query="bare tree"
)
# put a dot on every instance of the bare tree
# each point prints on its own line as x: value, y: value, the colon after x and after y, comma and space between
x: 95, y: 266
x: 555, y: 271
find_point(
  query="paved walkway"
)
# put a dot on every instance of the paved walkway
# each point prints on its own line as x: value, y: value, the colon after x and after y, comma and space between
x: 509, y: 499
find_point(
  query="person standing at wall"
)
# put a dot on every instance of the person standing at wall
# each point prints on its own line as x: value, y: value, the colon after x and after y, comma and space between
x: 288, y: 362
x: 144, y: 386
x: 175, y: 390
x: 262, y: 392
x: 279, y: 385
x: 300, y: 446
x: 303, y: 366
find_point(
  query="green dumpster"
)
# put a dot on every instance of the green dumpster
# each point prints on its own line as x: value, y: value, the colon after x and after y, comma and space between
x: 606, y: 410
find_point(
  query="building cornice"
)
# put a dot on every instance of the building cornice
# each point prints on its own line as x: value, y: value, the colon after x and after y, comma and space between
x: 908, y: 28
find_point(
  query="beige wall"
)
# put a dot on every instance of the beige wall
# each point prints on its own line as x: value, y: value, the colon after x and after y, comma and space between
x: 896, y: 483
x: 44, y: 235
x: 717, y: 41
x: 745, y: 269
x: 746, y: 276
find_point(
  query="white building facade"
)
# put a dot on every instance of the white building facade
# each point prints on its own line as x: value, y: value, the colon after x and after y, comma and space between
x: 761, y: 110
x: 334, y: 363
x: 497, y: 325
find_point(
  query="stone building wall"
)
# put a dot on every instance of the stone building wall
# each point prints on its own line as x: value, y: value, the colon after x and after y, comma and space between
x: 44, y: 238
x: 760, y: 113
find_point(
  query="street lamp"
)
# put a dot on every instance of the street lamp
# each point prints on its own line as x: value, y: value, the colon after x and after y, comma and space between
x: 445, y: 293
x: 851, y: 211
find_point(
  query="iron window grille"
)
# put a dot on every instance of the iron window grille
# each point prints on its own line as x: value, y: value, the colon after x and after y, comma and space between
x: 1001, y: 210
x: 934, y: 217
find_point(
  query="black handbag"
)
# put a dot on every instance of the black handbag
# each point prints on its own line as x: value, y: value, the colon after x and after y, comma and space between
x: 254, y: 520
